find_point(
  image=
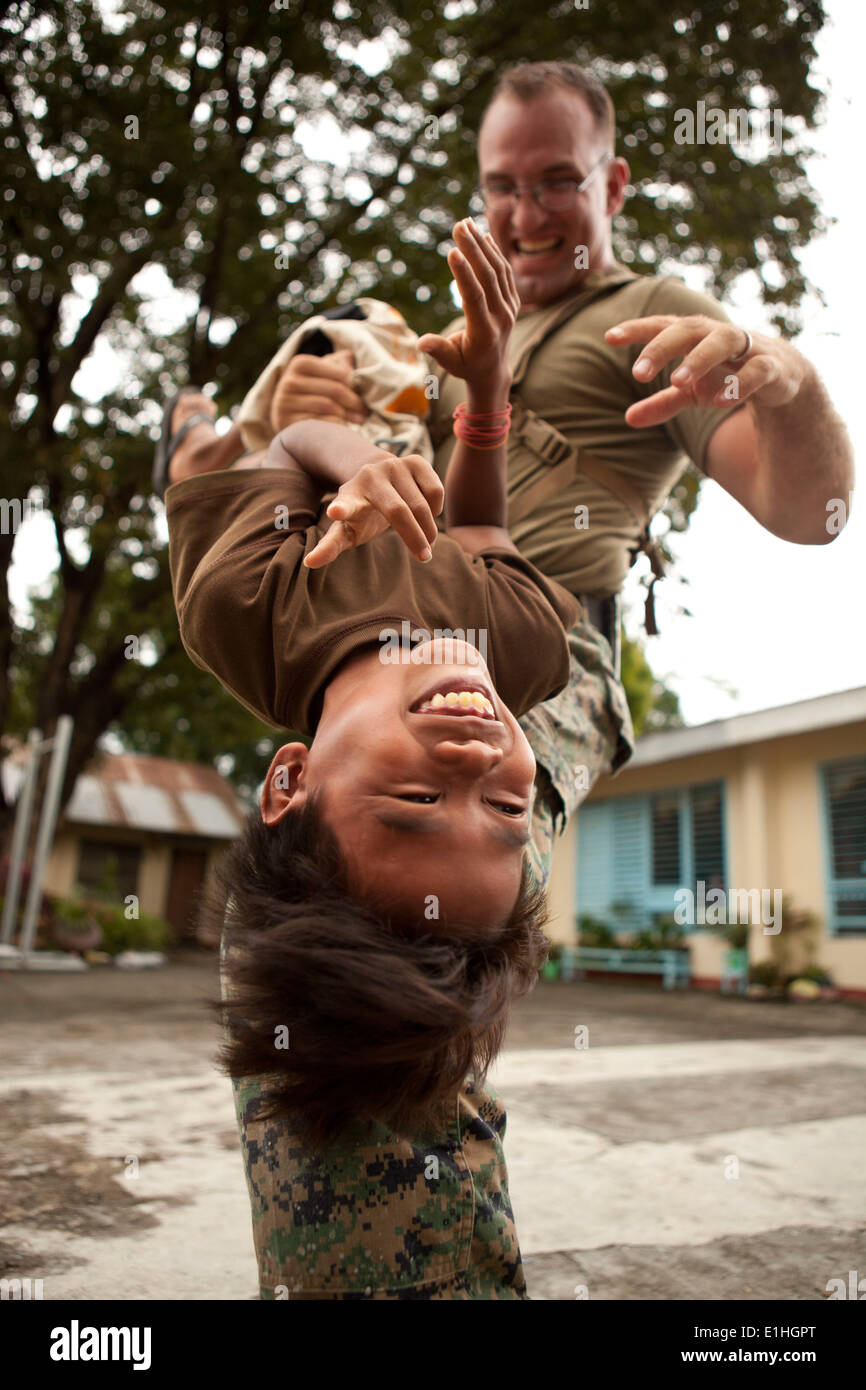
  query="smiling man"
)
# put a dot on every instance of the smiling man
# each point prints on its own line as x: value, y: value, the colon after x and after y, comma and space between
x: 626, y: 377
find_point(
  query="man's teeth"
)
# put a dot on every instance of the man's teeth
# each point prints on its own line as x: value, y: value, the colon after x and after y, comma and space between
x: 533, y: 248
x: 464, y: 699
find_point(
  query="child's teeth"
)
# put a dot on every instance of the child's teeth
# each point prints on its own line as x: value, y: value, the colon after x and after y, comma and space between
x: 462, y: 699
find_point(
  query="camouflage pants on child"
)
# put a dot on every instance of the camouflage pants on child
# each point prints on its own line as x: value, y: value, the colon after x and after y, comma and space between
x: 582, y: 733
x: 384, y: 1216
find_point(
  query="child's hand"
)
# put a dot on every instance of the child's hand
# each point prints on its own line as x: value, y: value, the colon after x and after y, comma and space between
x: 317, y: 388
x: 479, y: 352
x: 388, y: 491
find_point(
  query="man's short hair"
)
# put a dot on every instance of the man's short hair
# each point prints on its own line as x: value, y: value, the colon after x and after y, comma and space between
x: 527, y: 80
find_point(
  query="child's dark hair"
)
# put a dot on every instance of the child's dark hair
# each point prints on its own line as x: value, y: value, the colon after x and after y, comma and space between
x: 384, y: 1015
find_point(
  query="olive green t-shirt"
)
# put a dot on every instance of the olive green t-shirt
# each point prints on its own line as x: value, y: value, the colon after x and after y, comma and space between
x: 583, y: 385
x: 273, y: 632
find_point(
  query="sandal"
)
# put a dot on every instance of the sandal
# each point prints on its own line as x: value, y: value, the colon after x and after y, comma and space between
x: 168, y: 442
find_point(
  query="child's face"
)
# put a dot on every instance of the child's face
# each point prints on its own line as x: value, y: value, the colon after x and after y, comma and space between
x: 430, y: 806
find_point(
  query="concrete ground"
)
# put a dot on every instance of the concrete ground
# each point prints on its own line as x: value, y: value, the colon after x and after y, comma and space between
x: 693, y: 1147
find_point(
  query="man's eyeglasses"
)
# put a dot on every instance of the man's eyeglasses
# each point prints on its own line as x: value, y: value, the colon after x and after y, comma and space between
x: 555, y: 195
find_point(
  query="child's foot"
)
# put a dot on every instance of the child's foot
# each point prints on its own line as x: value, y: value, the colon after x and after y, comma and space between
x: 194, y: 452
x: 186, y: 441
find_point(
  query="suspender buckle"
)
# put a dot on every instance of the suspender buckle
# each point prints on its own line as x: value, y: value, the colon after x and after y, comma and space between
x: 539, y: 437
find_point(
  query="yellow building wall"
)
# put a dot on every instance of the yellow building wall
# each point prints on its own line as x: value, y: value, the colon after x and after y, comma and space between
x: 560, y: 888
x: 61, y: 865
x: 774, y: 834
x: 154, y: 874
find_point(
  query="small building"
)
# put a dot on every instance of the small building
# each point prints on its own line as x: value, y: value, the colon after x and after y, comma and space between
x: 746, y: 809
x: 161, y: 824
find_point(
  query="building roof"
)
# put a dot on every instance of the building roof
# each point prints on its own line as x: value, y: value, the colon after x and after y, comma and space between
x: 803, y: 717
x: 140, y: 792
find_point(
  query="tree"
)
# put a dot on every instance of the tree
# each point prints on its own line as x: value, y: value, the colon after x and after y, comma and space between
x: 155, y: 148
x: 652, y: 707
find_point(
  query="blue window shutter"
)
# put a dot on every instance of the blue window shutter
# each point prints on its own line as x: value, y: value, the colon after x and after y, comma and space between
x: 630, y: 880
x: 706, y: 810
x: 594, y: 858
x: 843, y: 786
x: 666, y: 837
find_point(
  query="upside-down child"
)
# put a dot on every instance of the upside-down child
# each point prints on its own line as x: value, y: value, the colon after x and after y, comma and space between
x: 378, y: 916
x: 583, y: 732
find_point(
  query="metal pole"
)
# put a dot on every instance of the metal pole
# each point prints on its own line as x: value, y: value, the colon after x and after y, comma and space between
x: 47, y: 822
x: 23, y: 815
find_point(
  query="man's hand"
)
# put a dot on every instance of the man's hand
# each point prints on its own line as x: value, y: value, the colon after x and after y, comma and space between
x: 317, y: 388
x: 404, y: 493
x: 712, y: 372
x: 479, y: 352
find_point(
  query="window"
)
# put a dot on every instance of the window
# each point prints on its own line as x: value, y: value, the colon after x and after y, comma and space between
x: 638, y: 851
x: 708, y: 854
x: 666, y: 838
x: 97, y: 859
x: 688, y: 842
x: 844, y: 794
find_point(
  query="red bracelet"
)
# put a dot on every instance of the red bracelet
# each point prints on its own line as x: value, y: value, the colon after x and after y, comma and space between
x: 487, y: 430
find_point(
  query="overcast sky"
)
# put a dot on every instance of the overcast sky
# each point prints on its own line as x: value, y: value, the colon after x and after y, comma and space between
x: 772, y: 622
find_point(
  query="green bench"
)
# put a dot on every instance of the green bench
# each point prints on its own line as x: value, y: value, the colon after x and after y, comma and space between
x: 673, y: 966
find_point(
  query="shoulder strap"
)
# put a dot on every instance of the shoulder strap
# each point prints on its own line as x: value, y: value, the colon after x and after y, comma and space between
x: 600, y: 284
x: 566, y: 462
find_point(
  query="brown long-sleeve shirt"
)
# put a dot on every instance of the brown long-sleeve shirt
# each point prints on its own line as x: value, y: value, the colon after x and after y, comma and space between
x: 273, y: 632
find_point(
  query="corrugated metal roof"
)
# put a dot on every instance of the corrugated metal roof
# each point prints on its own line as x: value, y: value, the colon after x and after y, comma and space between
x: 142, y: 792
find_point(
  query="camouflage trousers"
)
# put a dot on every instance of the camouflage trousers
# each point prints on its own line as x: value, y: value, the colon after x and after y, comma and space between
x: 582, y: 733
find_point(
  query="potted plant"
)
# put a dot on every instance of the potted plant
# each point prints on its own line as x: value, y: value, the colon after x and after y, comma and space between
x: 670, y: 934
x: 765, y: 980
x: 142, y: 933
x: 630, y: 919
x: 794, y: 947
x: 75, y: 926
x: 592, y: 931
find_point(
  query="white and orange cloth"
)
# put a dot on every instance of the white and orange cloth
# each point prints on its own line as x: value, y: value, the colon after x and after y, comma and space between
x: 391, y: 376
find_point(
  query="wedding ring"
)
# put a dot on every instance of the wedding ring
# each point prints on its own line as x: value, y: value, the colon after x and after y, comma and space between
x: 746, y: 350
